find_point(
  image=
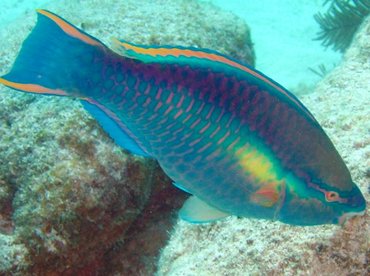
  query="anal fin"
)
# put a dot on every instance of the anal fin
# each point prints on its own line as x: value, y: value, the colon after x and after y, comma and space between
x: 114, y: 127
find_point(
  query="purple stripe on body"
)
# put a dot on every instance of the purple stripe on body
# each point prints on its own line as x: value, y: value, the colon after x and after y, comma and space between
x: 190, y: 105
x: 215, y: 132
x: 178, y: 114
x: 168, y: 110
x: 210, y: 112
x: 159, y: 94
x: 197, y: 121
x: 170, y: 97
x: 205, y: 128
x: 223, y: 137
x: 206, y: 146
x: 180, y: 101
x: 200, y: 108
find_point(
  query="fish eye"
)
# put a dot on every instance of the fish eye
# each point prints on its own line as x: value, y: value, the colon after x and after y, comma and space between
x: 331, y: 196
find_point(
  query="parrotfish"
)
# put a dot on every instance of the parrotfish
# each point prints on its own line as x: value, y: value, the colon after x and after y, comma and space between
x: 236, y: 140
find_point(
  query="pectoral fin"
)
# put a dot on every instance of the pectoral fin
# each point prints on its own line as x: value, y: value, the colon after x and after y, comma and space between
x: 195, y: 210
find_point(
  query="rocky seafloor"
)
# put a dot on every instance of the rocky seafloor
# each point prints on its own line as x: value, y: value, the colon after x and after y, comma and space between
x: 71, y: 201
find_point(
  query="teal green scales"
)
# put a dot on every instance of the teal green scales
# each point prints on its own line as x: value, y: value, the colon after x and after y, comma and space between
x: 236, y: 140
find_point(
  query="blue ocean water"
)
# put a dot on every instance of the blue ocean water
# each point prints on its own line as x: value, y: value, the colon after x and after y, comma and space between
x: 13, y: 9
x: 282, y: 32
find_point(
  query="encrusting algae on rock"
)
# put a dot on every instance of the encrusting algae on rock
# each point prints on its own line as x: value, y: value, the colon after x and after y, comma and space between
x: 82, y: 190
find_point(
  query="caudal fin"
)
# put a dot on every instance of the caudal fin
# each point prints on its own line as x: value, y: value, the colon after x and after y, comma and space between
x: 55, y: 58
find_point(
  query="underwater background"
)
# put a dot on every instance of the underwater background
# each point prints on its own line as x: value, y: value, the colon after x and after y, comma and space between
x: 73, y: 203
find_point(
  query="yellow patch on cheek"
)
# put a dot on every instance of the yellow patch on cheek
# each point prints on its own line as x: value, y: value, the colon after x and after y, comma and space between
x: 260, y: 168
x: 257, y: 165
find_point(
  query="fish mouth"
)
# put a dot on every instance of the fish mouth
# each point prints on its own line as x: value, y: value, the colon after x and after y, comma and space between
x: 346, y: 216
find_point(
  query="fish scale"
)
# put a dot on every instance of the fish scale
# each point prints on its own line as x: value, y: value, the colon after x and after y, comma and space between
x: 236, y: 140
x: 224, y: 100
x: 189, y: 126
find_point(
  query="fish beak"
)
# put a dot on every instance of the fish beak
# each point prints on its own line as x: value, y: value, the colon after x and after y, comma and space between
x: 343, y: 218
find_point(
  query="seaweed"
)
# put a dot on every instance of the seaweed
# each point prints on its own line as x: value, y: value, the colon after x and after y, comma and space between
x: 340, y: 22
x: 321, y: 70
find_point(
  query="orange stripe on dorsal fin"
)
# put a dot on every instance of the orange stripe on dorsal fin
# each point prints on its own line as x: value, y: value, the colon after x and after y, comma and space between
x: 154, y: 51
x: 151, y: 53
x: 70, y: 29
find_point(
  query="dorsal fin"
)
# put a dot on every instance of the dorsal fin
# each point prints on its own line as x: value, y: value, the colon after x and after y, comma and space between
x: 176, y: 54
x: 166, y: 53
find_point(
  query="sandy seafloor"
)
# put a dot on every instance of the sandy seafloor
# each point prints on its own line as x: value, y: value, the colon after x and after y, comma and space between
x: 282, y: 32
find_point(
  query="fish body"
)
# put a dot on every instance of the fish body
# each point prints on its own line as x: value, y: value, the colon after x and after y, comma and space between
x: 236, y: 140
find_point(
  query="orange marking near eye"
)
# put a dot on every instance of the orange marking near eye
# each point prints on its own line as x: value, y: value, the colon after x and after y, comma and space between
x: 33, y: 88
x: 331, y: 196
x: 70, y: 29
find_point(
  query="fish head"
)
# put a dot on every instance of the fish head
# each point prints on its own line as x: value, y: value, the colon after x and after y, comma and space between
x: 320, y: 203
x: 346, y: 204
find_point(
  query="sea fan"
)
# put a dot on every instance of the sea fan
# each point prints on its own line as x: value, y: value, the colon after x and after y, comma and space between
x: 340, y: 22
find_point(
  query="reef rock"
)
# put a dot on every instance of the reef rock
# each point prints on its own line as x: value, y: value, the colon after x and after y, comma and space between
x: 257, y: 247
x: 71, y: 201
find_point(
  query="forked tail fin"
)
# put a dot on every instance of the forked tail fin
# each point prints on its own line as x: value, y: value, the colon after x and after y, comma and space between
x: 56, y: 58
x: 59, y: 59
